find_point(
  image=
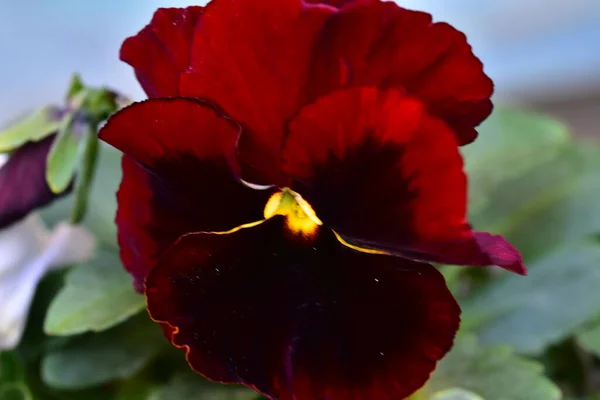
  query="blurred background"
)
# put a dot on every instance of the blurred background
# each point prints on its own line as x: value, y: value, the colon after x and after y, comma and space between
x: 544, y: 54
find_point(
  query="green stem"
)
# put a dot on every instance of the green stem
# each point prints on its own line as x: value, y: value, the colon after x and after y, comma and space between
x: 86, y: 174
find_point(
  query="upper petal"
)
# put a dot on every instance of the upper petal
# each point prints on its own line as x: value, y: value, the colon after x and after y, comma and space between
x: 371, y: 42
x: 176, y: 178
x: 160, y: 52
x: 385, y: 174
x: 302, y: 322
x: 23, y: 186
x: 251, y: 58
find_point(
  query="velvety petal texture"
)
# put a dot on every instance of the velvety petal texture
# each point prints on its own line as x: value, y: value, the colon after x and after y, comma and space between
x: 303, y: 322
x: 176, y: 178
x: 384, y: 174
x: 262, y: 73
x: 23, y: 186
x: 379, y: 43
x: 257, y: 72
x: 351, y: 112
x: 160, y: 53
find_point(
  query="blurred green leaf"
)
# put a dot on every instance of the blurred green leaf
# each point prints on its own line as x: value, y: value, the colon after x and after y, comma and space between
x: 492, y: 372
x: 99, y: 104
x: 98, y: 358
x: 32, y: 127
x: 186, y: 386
x: 96, y: 296
x: 589, y: 338
x: 553, y: 205
x: 85, y: 177
x: 134, y: 389
x: 11, y: 367
x: 15, y: 391
x: 456, y: 394
x: 102, y: 202
x: 75, y: 86
x: 510, y: 143
x: 559, y: 295
x: 63, y: 157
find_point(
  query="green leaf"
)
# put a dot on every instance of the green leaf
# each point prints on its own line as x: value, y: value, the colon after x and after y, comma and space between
x: 589, y: 338
x: 510, y: 143
x: 456, y: 394
x: 95, y: 359
x: 185, y: 386
x: 34, y: 341
x: 102, y: 206
x: 63, y: 157
x: 134, y: 389
x: 32, y: 127
x: 11, y: 368
x: 15, y: 391
x: 75, y: 86
x: 96, y: 296
x: 559, y: 295
x: 492, y: 372
x: 87, y: 170
x: 553, y: 205
x: 99, y: 104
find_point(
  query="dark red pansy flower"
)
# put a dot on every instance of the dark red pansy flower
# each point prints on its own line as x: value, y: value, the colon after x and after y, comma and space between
x: 294, y: 171
x: 23, y: 186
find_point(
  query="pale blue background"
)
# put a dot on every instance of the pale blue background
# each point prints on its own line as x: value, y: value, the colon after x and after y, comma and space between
x: 532, y: 48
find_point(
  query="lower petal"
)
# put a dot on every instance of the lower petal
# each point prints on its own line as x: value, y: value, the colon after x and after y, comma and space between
x: 302, y: 322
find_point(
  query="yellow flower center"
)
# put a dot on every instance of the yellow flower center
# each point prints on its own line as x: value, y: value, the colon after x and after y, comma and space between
x: 300, y: 217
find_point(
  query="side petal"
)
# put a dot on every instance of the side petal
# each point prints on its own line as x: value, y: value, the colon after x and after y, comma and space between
x: 252, y: 59
x: 379, y: 43
x: 386, y: 175
x: 160, y: 52
x: 302, y: 322
x: 23, y: 186
x: 176, y: 178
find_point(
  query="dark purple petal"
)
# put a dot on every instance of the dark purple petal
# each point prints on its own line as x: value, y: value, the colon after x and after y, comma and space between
x: 23, y: 186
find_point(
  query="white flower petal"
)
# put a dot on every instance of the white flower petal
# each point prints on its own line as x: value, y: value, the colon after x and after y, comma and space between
x: 68, y: 244
x: 21, y: 242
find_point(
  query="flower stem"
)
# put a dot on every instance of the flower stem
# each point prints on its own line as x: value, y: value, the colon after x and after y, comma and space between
x: 86, y: 174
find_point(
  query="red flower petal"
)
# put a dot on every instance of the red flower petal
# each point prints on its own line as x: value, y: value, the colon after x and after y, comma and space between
x: 23, y: 186
x: 335, y: 3
x: 160, y: 52
x: 303, y: 322
x: 386, y: 175
x: 379, y: 43
x: 176, y: 178
x: 262, y: 60
x: 251, y: 58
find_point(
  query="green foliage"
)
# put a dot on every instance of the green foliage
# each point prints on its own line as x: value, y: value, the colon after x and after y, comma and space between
x: 589, y: 338
x: 188, y: 385
x: 96, y: 296
x: 95, y: 359
x: 492, y: 372
x: 456, y: 394
x: 510, y: 143
x: 102, y: 199
x: 558, y: 296
x: 64, y: 156
x: 32, y: 127
x: 15, y: 391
